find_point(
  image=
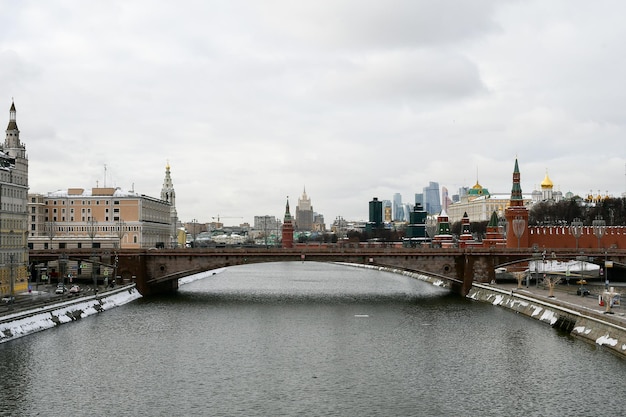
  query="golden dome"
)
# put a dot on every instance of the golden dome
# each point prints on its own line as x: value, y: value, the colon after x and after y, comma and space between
x: 546, y: 183
x: 477, y: 186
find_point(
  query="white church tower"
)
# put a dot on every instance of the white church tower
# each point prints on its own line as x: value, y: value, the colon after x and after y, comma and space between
x: 168, y: 194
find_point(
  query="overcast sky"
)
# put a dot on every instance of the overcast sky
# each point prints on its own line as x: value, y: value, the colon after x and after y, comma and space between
x: 252, y: 101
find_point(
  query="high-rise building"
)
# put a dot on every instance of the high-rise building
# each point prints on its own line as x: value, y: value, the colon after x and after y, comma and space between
x: 376, y: 213
x: 13, y: 211
x: 398, y: 209
x: 304, y: 214
x: 432, y: 203
x: 387, y: 211
x: 416, y: 229
x: 445, y: 199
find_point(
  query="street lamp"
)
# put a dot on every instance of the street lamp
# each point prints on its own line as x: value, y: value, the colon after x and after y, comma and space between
x: 519, y: 224
x: 576, y: 229
x: 599, y: 227
x: 92, y: 230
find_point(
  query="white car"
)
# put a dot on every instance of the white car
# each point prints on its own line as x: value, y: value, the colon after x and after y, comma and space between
x: 60, y: 289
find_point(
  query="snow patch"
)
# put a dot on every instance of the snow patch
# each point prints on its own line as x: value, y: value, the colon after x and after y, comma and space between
x: 498, y: 300
x: 606, y: 340
x: 201, y: 275
x: 537, y: 310
x: 549, y: 316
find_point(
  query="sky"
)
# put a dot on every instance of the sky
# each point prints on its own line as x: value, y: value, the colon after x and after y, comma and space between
x: 253, y: 102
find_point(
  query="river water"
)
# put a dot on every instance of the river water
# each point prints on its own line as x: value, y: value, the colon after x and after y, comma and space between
x: 308, y: 339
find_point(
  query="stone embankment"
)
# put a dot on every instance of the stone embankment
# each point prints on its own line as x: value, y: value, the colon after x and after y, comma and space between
x: 574, y: 316
x: 28, y: 321
x: 579, y: 316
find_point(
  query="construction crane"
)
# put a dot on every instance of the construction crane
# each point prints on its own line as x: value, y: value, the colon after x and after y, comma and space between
x: 225, y: 217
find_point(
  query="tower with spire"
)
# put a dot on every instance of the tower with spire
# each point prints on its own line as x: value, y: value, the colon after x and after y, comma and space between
x: 14, y: 225
x: 304, y: 213
x: 516, y: 215
x: 287, y: 228
x: 169, y: 194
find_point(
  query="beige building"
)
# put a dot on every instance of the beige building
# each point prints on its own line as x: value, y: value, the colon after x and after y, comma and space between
x: 100, y: 218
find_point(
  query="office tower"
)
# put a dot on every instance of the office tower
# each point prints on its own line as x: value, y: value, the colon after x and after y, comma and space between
x: 376, y: 213
x: 432, y: 203
x: 398, y: 210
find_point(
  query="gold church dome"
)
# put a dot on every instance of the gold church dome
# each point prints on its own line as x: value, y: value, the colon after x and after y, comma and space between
x: 546, y: 183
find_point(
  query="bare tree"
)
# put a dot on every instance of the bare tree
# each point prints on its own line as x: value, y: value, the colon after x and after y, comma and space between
x: 520, y: 276
x: 551, y: 281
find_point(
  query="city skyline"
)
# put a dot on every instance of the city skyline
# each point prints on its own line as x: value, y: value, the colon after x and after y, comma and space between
x: 249, y: 103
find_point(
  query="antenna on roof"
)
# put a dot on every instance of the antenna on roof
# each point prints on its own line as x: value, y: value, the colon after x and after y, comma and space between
x: 105, y: 176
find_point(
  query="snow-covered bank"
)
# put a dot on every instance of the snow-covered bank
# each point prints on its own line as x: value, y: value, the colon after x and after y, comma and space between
x: 30, y: 321
x: 201, y: 275
x: 433, y: 280
x: 578, y: 323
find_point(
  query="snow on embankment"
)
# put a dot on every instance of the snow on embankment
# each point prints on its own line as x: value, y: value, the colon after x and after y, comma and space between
x: 31, y: 321
x: 583, y: 324
x: 201, y: 275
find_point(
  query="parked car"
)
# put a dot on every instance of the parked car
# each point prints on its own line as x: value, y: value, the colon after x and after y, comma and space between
x: 60, y: 289
x: 74, y: 289
x: 582, y: 291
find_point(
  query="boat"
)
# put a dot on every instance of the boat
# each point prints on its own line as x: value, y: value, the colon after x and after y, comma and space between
x: 566, y: 268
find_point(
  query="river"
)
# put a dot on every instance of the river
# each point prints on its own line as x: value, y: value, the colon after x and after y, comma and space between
x: 308, y: 339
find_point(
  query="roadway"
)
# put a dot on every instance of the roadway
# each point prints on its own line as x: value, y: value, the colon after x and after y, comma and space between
x: 565, y: 296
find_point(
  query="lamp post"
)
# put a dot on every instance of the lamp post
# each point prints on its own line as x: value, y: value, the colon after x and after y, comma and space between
x: 519, y: 225
x: 92, y: 230
x: 576, y: 229
x: 12, y: 281
x: 599, y: 227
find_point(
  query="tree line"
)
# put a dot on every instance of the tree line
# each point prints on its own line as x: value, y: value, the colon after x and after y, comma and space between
x: 562, y: 213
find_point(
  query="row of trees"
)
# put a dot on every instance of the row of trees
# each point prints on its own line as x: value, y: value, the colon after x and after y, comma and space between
x: 548, y: 213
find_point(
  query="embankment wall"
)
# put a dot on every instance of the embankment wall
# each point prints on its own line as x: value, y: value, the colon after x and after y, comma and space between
x: 588, y: 326
x: 27, y: 322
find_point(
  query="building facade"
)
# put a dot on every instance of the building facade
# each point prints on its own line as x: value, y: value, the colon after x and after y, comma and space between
x: 304, y: 214
x: 13, y: 211
x: 98, y: 218
x: 432, y: 203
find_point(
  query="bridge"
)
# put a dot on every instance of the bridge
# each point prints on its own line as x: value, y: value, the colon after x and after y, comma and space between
x: 158, y: 270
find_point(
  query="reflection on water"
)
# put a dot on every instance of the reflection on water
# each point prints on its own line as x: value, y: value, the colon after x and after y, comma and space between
x: 306, y: 339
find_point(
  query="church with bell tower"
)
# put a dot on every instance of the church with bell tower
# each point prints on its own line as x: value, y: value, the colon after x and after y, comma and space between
x: 168, y: 194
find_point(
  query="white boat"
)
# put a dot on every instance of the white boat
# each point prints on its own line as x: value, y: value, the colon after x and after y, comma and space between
x: 568, y: 268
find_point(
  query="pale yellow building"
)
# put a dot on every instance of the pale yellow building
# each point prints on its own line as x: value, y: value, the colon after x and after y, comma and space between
x: 99, y: 218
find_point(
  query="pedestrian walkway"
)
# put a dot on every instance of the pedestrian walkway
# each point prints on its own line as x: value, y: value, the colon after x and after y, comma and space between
x: 565, y: 296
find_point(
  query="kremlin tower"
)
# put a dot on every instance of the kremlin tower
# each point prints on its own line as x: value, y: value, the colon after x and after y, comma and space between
x: 516, y: 215
x: 287, y: 228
